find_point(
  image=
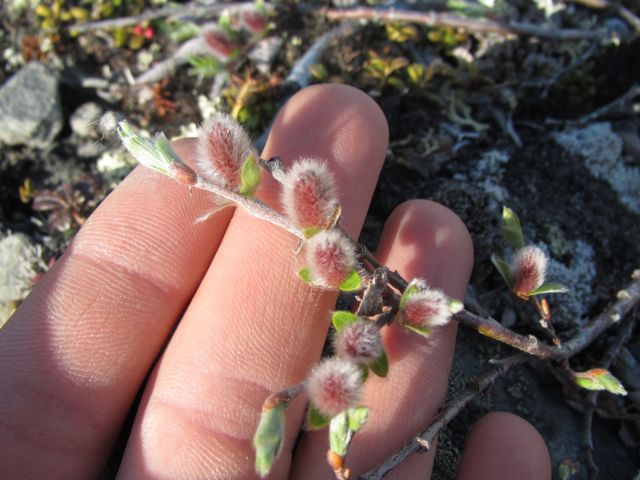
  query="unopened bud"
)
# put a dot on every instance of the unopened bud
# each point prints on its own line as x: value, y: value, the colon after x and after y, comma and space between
x: 254, y: 21
x: 331, y: 258
x: 359, y: 342
x: 219, y: 44
x: 529, y: 269
x: 309, y: 195
x: 424, y: 308
x: 334, y: 386
x: 155, y: 153
x: 183, y: 174
x: 223, y: 146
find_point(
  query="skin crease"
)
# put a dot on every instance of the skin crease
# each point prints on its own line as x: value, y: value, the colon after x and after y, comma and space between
x: 78, y: 349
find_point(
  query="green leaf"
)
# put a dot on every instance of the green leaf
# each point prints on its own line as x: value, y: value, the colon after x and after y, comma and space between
x: 357, y: 417
x: 410, y: 290
x: 311, y: 231
x: 204, y: 66
x: 224, y: 22
x: 341, y: 318
x: 352, y: 282
x: 548, y: 288
x: 599, y: 379
x: 424, y: 331
x: 511, y: 229
x: 305, y: 274
x: 503, y: 269
x: 415, y: 71
x: 339, y: 434
x: 249, y: 176
x: 319, y: 72
x: 267, y: 440
x: 455, y: 305
x: 381, y: 366
x: 315, y: 419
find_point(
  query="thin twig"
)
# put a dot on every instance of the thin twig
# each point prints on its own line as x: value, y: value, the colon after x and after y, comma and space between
x: 591, y: 401
x: 372, y: 303
x: 191, y: 9
x: 300, y: 75
x: 252, y: 206
x: 621, y: 106
x: 424, y: 440
x: 630, y: 17
x: 443, y: 19
x: 627, y: 299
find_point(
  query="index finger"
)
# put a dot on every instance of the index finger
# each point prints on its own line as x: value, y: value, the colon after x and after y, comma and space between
x: 75, y: 353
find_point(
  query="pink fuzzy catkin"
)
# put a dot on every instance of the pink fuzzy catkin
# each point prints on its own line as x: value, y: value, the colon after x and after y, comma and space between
x: 424, y: 307
x: 529, y: 269
x: 219, y: 43
x: 359, y: 342
x: 330, y: 257
x: 334, y: 386
x: 223, y: 146
x: 309, y: 196
x: 254, y: 21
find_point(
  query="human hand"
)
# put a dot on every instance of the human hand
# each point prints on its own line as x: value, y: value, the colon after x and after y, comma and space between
x: 78, y: 349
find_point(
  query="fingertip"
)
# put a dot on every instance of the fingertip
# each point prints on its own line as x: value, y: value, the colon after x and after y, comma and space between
x: 186, y: 149
x: 342, y: 126
x: 419, y: 226
x: 502, y: 445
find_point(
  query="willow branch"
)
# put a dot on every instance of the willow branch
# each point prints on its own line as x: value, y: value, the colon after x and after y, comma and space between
x: 252, y: 206
x: 627, y: 299
x: 424, y: 440
x: 443, y: 19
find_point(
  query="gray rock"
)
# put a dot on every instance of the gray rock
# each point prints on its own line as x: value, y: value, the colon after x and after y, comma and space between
x: 30, y: 109
x: 84, y: 121
x: 602, y: 151
x: 264, y: 52
x: 19, y: 263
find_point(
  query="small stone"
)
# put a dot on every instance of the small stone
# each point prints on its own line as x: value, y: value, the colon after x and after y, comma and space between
x: 108, y: 123
x: 30, y: 109
x: 19, y: 262
x: 85, y: 120
x: 264, y: 52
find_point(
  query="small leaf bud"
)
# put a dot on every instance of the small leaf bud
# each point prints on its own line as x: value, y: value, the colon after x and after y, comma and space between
x: 183, y: 174
x: 599, y: 379
x: 331, y: 258
x: 223, y: 147
x: 529, y: 268
x: 309, y: 195
x: 359, y: 342
x: 423, y: 308
x: 334, y: 386
x: 155, y: 153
